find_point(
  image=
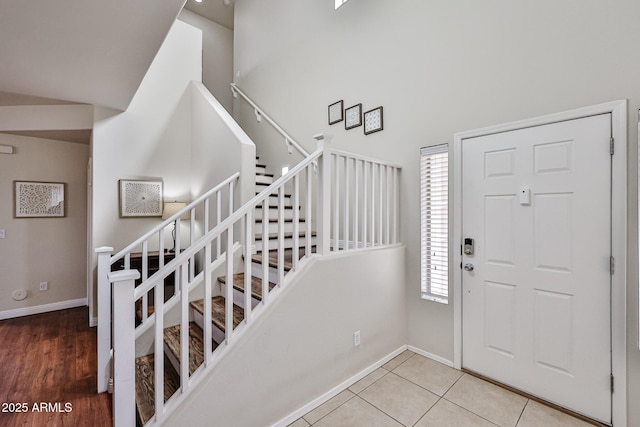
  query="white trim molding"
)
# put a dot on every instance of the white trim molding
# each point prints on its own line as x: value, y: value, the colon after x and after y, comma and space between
x: 618, y: 111
x: 431, y: 356
x: 45, y: 308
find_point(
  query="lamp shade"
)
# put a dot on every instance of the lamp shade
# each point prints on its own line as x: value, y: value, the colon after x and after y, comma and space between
x: 171, y: 208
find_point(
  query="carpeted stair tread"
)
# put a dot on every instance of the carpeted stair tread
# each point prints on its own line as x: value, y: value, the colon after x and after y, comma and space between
x: 145, y: 379
x: 196, y: 344
x: 238, y: 283
x: 217, y: 312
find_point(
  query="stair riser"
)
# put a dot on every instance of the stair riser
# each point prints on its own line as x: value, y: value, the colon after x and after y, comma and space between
x: 273, y: 227
x: 288, y: 243
x: 273, y: 213
x: 218, y: 335
x: 273, y: 200
x: 238, y: 299
x: 263, y: 179
x: 261, y: 169
x: 260, y: 187
x: 256, y: 270
x: 172, y: 358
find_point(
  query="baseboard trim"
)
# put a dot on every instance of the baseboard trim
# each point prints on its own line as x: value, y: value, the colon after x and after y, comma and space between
x: 337, y: 389
x: 354, y: 379
x: 45, y: 308
x: 432, y: 356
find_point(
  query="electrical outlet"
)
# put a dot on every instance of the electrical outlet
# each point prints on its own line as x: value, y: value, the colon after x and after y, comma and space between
x: 356, y: 338
x: 44, y: 286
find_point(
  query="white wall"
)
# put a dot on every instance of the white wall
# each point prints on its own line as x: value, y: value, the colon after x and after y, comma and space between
x: 303, y: 346
x: 151, y: 140
x: 438, y: 68
x: 217, y: 56
x: 43, y: 249
x: 217, y: 139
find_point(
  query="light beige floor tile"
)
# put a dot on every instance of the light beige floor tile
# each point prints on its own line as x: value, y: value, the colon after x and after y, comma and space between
x: 368, y: 380
x: 398, y: 360
x: 489, y: 401
x: 328, y: 406
x: 357, y: 413
x: 537, y: 414
x: 399, y: 398
x: 300, y: 422
x: 446, y: 414
x: 427, y: 373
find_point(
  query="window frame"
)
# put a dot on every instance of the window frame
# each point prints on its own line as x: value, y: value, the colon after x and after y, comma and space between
x: 434, y: 213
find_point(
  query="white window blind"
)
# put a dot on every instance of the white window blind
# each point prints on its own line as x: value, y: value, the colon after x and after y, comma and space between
x: 434, y: 222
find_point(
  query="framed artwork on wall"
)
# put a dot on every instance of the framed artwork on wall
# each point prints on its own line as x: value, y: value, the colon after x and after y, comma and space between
x: 140, y: 198
x: 335, y: 112
x: 39, y: 199
x: 373, y: 121
x: 353, y: 117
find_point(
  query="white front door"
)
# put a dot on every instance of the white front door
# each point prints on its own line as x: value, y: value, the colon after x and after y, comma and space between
x: 536, y: 306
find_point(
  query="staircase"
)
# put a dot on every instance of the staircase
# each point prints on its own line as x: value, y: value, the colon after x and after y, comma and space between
x: 226, y: 277
x: 266, y: 246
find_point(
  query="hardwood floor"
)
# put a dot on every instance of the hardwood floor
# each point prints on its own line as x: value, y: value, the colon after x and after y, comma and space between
x: 48, y: 372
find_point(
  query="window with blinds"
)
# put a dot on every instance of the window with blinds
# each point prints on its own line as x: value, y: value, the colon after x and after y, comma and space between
x: 434, y: 222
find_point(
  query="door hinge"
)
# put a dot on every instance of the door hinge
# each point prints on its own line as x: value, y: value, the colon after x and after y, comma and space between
x: 611, y: 383
x: 612, y: 265
x: 611, y: 146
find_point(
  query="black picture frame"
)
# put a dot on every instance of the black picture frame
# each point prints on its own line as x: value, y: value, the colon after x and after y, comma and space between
x: 373, y: 121
x: 336, y: 112
x: 353, y: 116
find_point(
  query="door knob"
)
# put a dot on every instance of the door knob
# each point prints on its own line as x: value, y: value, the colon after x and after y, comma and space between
x: 468, y: 266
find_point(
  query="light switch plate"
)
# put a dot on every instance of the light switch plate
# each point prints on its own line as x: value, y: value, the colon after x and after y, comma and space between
x: 2, y: 233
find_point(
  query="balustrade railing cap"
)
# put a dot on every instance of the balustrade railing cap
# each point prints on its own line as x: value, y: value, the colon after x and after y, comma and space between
x: 122, y: 275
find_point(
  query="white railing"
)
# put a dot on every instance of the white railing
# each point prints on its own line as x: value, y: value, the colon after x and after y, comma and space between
x: 365, y: 202
x: 260, y: 114
x: 361, y: 185
x: 207, y: 211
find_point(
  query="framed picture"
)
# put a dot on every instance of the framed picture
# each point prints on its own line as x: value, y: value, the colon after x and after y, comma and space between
x: 140, y: 198
x: 39, y: 199
x: 335, y: 112
x: 373, y: 121
x: 353, y: 117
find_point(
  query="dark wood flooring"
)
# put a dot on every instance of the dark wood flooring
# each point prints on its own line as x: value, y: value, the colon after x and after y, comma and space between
x: 48, y: 362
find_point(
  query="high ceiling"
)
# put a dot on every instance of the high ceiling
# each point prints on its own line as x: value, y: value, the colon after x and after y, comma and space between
x: 215, y: 10
x: 81, y: 51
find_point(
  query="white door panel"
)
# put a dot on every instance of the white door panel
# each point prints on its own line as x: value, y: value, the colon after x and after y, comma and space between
x: 536, y: 307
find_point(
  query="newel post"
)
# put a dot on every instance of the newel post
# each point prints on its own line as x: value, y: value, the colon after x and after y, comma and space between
x: 324, y: 194
x: 104, y: 317
x: 124, y: 343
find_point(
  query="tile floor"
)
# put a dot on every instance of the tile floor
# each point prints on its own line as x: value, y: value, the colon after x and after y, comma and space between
x: 412, y: 390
